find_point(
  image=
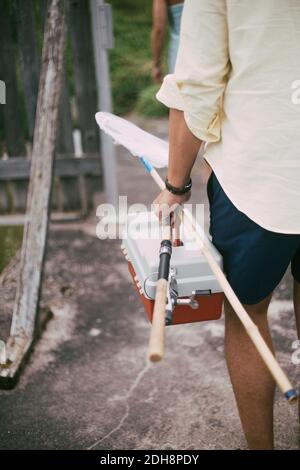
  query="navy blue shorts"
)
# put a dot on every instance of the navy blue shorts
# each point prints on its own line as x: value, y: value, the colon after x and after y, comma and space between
x: 255, y: 259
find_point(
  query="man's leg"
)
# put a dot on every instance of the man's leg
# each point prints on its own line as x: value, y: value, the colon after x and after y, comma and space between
x: 297, y: 315
x: 297, y: 305
x: 252, y: 383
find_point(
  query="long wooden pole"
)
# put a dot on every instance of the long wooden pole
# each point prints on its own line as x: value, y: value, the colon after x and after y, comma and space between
x: 157, y: 335
x: 252, y: 330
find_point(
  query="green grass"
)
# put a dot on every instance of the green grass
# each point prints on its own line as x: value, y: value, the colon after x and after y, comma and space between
x: 130, y: 60
x: 10, y: 242
x: 147, y: 105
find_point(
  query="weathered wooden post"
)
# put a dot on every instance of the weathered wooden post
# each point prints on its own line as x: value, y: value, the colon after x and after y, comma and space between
x: 65, y: 197
x: 36, y: 224
x: 64, y: 139
x: 103, y: 40
x: 30, y: 67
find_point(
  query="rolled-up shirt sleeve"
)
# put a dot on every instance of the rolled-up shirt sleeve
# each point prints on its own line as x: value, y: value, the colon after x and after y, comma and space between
x: 202, y: 67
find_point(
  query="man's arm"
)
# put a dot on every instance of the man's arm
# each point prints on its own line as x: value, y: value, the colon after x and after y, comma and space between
x: 194, y: 92
x: 184, y: 147
x: 159, y: 15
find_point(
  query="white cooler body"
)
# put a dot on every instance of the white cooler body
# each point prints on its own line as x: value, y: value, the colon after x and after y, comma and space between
x: 141, y: 244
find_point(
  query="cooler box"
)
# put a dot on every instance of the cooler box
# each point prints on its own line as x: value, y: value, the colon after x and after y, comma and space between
x: 141, y: 244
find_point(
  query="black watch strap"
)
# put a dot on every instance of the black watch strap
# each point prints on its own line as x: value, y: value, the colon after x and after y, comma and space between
x: 178, y: 191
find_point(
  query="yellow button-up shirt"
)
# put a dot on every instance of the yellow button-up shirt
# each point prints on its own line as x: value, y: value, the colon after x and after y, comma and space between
x: 237, y: 79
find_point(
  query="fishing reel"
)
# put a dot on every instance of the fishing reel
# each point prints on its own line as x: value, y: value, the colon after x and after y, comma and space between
x: 174, y: 300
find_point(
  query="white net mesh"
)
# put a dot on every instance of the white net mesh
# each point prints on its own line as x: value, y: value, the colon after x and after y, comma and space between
x: 139, y: 143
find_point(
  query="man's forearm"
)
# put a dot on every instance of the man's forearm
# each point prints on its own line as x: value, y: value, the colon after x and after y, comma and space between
x: 159, y: 15
x: 184, y: 147
x: 157, y: 43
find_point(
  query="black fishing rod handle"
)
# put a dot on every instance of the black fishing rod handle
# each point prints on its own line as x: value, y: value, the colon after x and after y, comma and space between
x: 165, y: 254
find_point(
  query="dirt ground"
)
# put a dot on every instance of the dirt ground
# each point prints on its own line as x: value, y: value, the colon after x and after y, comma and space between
x: 88, y: 384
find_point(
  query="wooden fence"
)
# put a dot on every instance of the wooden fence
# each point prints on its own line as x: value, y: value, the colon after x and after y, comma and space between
x: 76, y: 178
